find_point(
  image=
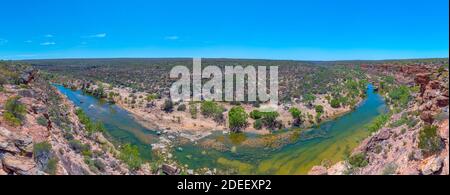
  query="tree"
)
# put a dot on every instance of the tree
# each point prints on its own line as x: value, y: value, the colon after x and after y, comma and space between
x: 297, y: 116
x: 269, y: 120
x: 309, y: 98
x: 237, y: 118
x: 319, y: 112
x: 335, y: 103
x: 168, y: 106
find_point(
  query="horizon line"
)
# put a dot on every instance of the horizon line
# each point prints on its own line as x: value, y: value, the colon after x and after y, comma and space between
x: 219, y: 58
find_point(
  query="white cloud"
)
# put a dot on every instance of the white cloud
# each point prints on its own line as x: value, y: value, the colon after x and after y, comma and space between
x: 3, y: 41
x: 49, y: 35
x: 28, y: 41
x: 100, y: 35
x: 172, y: 38
x: 48, y: 43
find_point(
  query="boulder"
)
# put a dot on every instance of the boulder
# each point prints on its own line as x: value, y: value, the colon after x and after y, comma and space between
x: 19, y: 165
x: 27, y: 93
x: 318, y: 170
x: 170, y: 170
x: 442, y: 101
x: 339, y: 169
x: 422, y: 79
x: 27, y: 76
x: 427, y: 116
x: 15, y: 143
x: 432, y: 166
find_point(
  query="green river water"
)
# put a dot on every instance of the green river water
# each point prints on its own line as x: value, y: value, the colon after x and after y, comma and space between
x: 331, y: 141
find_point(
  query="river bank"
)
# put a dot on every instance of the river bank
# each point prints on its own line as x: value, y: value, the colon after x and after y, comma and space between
x: 248, y: 153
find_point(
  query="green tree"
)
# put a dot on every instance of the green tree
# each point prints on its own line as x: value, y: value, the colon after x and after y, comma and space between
x: 335, y: 103
x: 297, y: 116
x: 237, y: 118
x: 167, y: 106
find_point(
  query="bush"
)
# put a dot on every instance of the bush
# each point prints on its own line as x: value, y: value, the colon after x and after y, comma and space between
x: 78, y: 147
x: 256, y: 114
x: 237, y: 118
x: 211, y: 109
x: 335, y: 103
x: 378, y: 122
x: 44, y: 157
x: 14, y: 111
x: 193, y: 111
x: 90, y: 127
x: 400, y: 96
x: 269, y: 120
x: 429, y: 141
x: 130, y: 155
x: 358, y: 160
x: 258, y: 124
x: 167, y: 106
x: 181, y: 108
x: 42, y: 121
x: 295, y: 112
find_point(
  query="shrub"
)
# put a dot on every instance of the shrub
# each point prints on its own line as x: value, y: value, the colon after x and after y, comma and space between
x: 400, y: 96
x: 378, y: 122
x: 130, y: 155
x: 295, y: 112
x: 358, y: 160
x: 237, y: 118
x: 269, y: 120
x: 181, y: 108
x: 256, y: 114
x: 193, y: 111
x: 90, y: 127
x: 11, y: 119
x: 42, y: 121
x: 335, y: 103
x: 78, y: 147
x: 258, y: 124
x: 210, y: 109
x: 429, y: 141
x: 390, y: 169
x: 167, y: 106
x: 44, y: 157
x: 319, y: 109
x: 14, y: 111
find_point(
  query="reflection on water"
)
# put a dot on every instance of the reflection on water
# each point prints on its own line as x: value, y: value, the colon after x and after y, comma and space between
x: 331, y: 141
x: 120, y: 125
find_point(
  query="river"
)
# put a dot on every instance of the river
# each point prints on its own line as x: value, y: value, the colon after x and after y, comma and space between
x: 330, y: 142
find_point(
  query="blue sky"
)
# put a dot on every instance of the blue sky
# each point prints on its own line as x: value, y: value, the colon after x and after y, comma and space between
x: 281, y: 29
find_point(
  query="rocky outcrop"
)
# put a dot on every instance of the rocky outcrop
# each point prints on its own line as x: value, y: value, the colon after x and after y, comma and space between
x: 395, y: 149
x: 15, y: 153
x: 318, y: 170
